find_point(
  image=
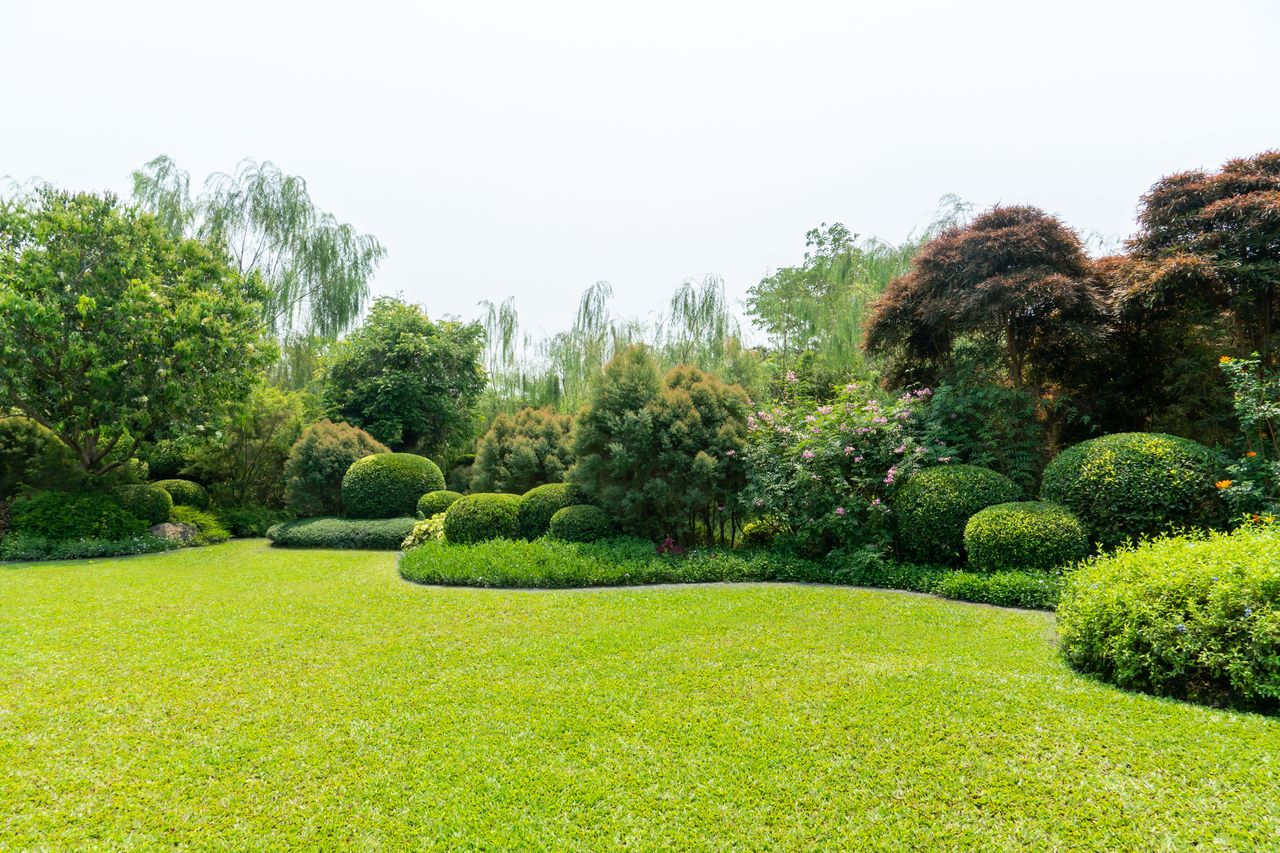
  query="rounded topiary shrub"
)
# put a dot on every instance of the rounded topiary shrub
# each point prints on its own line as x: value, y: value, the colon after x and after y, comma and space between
x: 434, y: 503
x: 65, y: 516
x: 1028, y: 536
x: 152, y: 504
x: 388, y: 485
x: 580, y: 523
x: 185, y: 492
x: 318, y: 461
x: 933, y: 507
x: 1130, y: 485
x: 1193, y: 617
x: 476, y: 518
x: 541, y: 502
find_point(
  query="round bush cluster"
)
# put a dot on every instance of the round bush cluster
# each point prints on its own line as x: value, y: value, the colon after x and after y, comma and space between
x: 1028, y: 536
x: 541, y: 502
x: 434, y: 503
x: 934, y: 506
x: 1194, y: 617
x: 185, y: 492
x: 65, y: 516
x: 1131, y: 485
x: 388, y: 485
x: 318, y: 461
x: 580, y: 523
x: 152, y: 504
x: 480, y: 517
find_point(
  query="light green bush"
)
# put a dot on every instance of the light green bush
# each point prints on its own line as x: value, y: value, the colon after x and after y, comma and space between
x: 388, y: 485
x: 475, y: 518
x: 1027, y: 536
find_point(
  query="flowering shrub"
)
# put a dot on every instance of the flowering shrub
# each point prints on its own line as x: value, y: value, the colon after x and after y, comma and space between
x: 823, y: 474
x: 1252, y: 486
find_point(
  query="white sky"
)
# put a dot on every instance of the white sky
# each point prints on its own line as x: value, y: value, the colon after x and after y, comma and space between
x: 532, y: 148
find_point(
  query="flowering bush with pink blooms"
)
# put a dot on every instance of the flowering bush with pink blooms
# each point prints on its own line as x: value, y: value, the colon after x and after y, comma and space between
x: 823, y: 473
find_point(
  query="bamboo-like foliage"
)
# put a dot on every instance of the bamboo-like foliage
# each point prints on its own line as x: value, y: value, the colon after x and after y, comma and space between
x: 317, y: 269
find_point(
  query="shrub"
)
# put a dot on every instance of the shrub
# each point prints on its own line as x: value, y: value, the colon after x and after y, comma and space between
x: 475, y: 518
x: 317, y: 463
x: 433, y: 503
x: 539, y: 504
x: 1039, y: 590
x: 209, y: 530
x: 1136, y: 484
x: 760, y: 533
x: 388, y: 485
x: 933, y: 506
x: 1194, y: 617
x: 580, y: 523
x: 1033, y: 536
x: 249, y: 520
x: 459, y: 477
x: 185, y: 492
x: 25, y: 547
x: 149, y: 503
x: 60, y: 516
x: 523, y: 450
x: 32, y: 458
x: 429, y: 529
x: 4, y: 518
x: 379, y: 534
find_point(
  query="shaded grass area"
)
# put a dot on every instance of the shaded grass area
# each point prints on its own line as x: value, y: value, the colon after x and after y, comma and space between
x: 253, y: 698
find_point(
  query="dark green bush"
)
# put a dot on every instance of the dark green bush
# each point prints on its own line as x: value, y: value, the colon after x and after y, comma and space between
x: 388, y: 485
x: 210, y: 530
x: 185, y: 492
x: 1027, y: 536
x: 434, y: 503
x: 933, y: 507
x: 61, y: 516
x: 379, y: 534
x: 249, y: 520
x: 318, y: 461
x: 580, y: 523
x: 1194, y: 617
x: 149, y: 503
x: 475, y: 518
x: 1038, y: 590
x: 1133, y: 484
x: 25, y: 547
x: 4, y: 518
x: 32, y: 458
x: 540, y: 503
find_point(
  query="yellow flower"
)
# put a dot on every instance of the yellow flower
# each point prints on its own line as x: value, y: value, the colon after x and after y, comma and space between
x: 1226, y: 359
x: 1224, y: 484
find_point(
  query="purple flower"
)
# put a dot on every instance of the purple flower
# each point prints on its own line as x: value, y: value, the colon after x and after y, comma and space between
x: 840, y: 510
x: 880, y: 420
x: 824, y: 410
x: 1248, y: 611
x: 809, y: 419
x: 808, y: 454
x: 875, y: 502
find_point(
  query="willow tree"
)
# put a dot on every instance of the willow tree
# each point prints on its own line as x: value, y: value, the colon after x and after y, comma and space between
x: 316, y: 268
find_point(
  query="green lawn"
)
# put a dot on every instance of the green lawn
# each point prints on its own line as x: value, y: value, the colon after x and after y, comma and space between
x: 247, y: 698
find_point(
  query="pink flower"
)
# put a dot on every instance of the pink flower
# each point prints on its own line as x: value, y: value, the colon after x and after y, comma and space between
x: 851, y: 387
x: 731, y: 453
x: 901, y: 448
x: 848, y: 451
x: 809, y: 419
x: 824, y: 410
x: 791, y: 377
x: 944, y: 459
x: 875, y: 502
x: 857, y: 459
x: 808, y: 454
x: 840, y: 510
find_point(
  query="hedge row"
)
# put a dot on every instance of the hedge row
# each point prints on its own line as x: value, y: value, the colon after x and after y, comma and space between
x: 379, y: 534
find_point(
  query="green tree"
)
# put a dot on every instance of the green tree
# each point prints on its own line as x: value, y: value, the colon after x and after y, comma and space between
x: 412, y: 383
x: 317, y: 269
x: 520, y: 451
x: 112, y: 331
x: 318, y: 461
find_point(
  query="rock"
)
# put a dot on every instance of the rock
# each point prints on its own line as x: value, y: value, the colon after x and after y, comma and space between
x: 175, y: 530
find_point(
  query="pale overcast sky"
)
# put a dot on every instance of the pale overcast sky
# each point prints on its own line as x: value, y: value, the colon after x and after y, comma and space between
x: 532, y: 148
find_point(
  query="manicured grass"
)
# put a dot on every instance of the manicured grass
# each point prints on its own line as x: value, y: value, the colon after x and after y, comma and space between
x: 251, y: 698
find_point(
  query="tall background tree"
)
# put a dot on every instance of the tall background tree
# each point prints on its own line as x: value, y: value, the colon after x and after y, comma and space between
x: 112, y: 330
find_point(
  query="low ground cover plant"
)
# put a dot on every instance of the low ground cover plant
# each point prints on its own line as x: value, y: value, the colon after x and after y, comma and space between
x: 381, y: 534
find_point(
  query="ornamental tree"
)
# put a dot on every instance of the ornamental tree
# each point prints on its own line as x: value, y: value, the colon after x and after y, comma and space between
x: 520, y: 451
x: 112, y: 331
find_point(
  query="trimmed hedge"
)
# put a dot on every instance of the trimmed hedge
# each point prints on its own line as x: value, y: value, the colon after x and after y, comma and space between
x: 28, y: 548
x: 185, y: 492
x: 580, y: 523
x: 379, y: 534
x: 541, y: 502
x: 1027, y: 536
x: 151, y: 504
x: 933, y: 507
x: 1131, y: 485
x: 476, y: 518
x: 388, y: 485
x: 434, y: 503
x: 60, y: 516
x: 1193, y: 617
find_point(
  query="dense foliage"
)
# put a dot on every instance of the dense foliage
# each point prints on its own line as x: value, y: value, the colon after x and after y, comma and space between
x: 185, y: 492
x: 1130, y: 485
x: 520, y: 451
x: 248, y: 520
x: 150, y: 503
x: 379, y: 534
x: 539, y: 504
x: 318, y: 461
x: 482, y: 516
x: 429, y: 529
x: 209, y: 529
x: 662, y: 456
x: 1028, y: 536
x: 388, y: 485
x: 412, y: 383
x: 62, y: 516
x: 32, y: 458
x: 26, y: 547
x: 111, y: 330
x: 1254, y: 477
x: 1192, y: 617
x: 933, y: 507
x: 579, y: 523
x: 435, y: 502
